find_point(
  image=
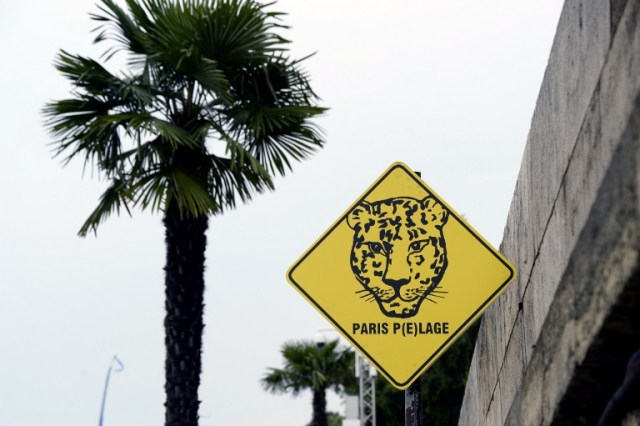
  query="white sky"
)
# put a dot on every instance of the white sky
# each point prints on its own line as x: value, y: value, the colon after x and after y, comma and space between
x: 447, y: 87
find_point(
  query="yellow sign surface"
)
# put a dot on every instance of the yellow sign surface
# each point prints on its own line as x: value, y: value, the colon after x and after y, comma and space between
x: 401, y: 275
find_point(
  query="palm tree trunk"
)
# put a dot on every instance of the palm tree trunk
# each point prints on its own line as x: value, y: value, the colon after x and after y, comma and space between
x: 319, y: 408
x: 184, y: 288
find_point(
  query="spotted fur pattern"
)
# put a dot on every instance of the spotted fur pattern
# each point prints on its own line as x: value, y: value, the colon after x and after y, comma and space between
x: 399, y: 253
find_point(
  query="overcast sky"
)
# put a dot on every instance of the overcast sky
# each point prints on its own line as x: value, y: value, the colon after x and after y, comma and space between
x: 447, y: 87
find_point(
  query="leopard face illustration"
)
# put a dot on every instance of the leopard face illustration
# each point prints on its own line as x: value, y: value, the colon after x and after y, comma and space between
x: 399, y: 253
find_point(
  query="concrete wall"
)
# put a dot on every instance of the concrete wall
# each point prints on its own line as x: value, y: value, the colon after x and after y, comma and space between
x: 573, y: 232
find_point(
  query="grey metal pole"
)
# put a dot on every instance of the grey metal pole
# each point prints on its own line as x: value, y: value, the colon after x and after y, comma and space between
x: 413, y: 404
x: 413, y: 397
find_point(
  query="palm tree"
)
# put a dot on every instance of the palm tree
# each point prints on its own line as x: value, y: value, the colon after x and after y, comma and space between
x: 208, y: 109
x: 313, y: 367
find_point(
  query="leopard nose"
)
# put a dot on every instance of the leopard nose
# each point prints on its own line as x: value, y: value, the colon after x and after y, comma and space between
x: 395, y: 274
x: 395, y: 283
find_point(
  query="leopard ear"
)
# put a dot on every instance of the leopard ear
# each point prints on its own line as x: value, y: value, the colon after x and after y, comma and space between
x: 359, y: 214
x: 435, y: 211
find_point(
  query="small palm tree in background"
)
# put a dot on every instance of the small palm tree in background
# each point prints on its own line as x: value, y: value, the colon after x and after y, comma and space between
x: 209, y: 108
x: 314, y: 367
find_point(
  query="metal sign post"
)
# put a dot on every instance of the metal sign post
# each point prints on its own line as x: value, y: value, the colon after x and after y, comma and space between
x: 413, y: 396
x: 413, y: 404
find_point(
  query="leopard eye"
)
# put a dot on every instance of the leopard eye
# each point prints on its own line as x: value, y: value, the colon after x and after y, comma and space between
x: 375, y: 247
x: 417, y: 245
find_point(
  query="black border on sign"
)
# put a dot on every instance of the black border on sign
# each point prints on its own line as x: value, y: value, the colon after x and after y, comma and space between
x: 453, y: 335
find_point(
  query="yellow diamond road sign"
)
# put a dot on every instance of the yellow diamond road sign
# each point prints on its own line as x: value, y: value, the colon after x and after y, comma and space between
x: 401, y: 275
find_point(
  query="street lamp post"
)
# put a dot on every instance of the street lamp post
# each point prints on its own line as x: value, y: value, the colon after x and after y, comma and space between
x: 119, y: 367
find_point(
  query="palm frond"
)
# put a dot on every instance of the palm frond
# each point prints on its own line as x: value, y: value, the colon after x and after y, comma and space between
x: 175, y: 135
x: 277, y: 134
x: 241, y: 180
x: 111, y: 201
x: 190, y: 194
x: 281, y: 381
x: 212, y: 78
x: 240, y: 33
x: 149, y: 187
x: 116, y: 25
x: 276, y: 112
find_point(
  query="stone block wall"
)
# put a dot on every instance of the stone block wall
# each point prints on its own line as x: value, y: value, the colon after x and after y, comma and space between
x: 573, y: 233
